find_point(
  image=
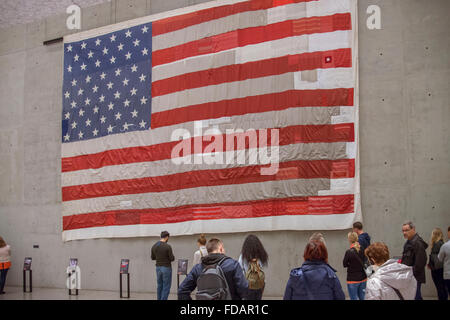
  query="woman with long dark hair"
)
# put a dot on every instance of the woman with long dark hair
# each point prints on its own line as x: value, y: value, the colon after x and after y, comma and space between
x: 5, y: 263
x: 253, y: 259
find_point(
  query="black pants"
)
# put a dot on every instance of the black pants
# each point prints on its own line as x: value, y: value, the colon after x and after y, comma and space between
x: 255, y: 294
x: 438, y: 279
x: 447, y: 283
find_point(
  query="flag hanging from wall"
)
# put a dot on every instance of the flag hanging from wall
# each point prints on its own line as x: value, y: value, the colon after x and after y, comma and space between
x: 227, y: 116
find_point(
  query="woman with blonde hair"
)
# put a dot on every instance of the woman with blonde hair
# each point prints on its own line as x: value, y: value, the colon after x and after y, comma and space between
x: 5, y: 263
x: 353, y: 261
x: 435, y: 265
x: 201, y: 252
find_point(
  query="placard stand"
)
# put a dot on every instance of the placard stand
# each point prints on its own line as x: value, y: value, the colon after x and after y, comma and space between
x: 128, y: 285
x: 25, y: 280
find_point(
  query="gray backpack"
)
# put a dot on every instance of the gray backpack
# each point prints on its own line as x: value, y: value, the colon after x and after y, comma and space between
x: 212, y: 284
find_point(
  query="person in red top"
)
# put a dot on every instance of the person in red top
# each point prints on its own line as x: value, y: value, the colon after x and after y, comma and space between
x: 5, y: 263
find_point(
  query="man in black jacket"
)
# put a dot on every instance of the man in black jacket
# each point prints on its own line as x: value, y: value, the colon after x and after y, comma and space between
x: 414, y: 254
x: 162, y: 253
x: 237, y: 283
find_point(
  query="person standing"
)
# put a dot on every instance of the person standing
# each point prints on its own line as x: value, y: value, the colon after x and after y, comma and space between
x: 363, y: 237
x: 444, y: 256
x: 414, y: 254
x: 435, y: 265
x: 201, y: 252
x: 391, y: 280
x: 5, y: 263
x: 315, y: 279
x: 253, y: 259
x: 236, y: 284
x: 353, y: 261
x: 162, y: 253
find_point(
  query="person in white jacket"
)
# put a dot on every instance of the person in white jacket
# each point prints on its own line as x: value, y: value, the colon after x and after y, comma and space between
x: 391, y: 280
x: 201, y: 252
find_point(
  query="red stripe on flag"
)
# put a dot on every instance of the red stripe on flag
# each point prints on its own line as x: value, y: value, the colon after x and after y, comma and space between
x: 189, y: 19
x: 341, y: 58
x: 324, y: 133
x: 299, y: 169
x: 253, y: 35
x: 315, y: 205
x: 254, y: 104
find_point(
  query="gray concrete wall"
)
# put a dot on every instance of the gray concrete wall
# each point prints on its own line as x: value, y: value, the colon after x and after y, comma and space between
x: 404, y: 144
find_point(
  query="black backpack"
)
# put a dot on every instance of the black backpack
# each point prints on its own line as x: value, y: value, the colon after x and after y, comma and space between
x: 212, y: 284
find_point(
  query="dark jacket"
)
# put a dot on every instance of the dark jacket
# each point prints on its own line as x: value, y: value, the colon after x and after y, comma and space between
x: 433, y: 261
x: 364, y: 241
x: 162, y: 253
x: 353, y: 261
x: 234, y: 275
x: 414, y: 255
x: 321, y: 281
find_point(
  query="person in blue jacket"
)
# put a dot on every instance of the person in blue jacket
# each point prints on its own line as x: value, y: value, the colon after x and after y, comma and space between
x: 363, y: 237
x: 234, y: 275
x: 315, y: 279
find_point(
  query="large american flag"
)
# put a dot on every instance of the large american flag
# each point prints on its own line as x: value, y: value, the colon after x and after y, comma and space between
x: 288, y: 66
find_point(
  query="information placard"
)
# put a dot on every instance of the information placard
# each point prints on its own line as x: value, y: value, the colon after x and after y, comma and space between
x: 73, y: 262
x: 124, y: 263
x: 27, y: 263
x: 182, y: 266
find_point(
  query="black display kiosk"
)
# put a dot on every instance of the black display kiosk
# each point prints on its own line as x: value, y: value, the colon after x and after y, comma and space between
x: 124, y: 264
x: 27, y: 268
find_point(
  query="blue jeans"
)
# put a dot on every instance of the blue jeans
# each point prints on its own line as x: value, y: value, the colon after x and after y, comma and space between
x: 357, y: 290
x: 164, y: 280
x: 3, y: 274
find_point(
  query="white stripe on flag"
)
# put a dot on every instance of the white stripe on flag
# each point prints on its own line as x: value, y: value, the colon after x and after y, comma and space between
x: 263, y: 120
x: 201, y: 195
x: 300, y: 151
x: 297, y: 222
